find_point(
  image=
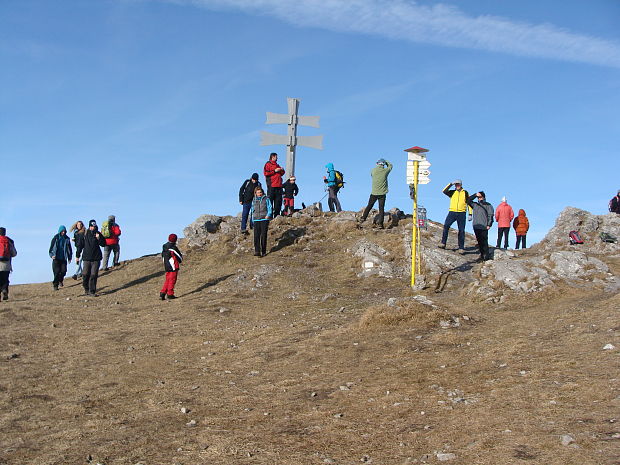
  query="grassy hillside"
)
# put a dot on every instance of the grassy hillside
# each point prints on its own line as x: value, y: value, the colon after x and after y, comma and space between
x: 294, y: 359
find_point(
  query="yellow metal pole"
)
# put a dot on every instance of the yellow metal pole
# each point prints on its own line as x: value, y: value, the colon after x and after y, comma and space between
x: 414, y: 231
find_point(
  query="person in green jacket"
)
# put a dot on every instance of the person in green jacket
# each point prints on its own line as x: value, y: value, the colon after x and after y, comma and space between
x: 379, y: 176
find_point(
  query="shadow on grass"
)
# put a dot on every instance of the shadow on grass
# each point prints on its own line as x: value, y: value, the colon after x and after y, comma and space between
x: 213, y: 282
x: 135, y: 282
x: 287, y: 238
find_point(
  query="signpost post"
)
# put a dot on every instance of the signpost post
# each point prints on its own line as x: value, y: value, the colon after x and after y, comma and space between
x: 291, y: 140
x: 417, y: 173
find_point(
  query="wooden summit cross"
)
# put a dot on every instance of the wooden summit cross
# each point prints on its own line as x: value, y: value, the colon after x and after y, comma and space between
x: 291, y: 140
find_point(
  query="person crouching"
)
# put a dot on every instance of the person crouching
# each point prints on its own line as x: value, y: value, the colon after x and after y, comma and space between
x: 172, y: 257
x: 260, y: 213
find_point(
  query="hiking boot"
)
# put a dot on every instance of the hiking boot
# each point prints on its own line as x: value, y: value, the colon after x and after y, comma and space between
x: 442, y: 246
x: 462, y: 251
x: 93, y: 294
x: 170, y: 297
x: 55, y: 286
x: 117, y: 264
x: 74, y: 277
x: 106, y: 269
x: 256, y: 254
x: 5, y: 295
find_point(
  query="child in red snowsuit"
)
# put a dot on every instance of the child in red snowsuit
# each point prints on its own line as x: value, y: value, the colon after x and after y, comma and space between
x: 172, y: 258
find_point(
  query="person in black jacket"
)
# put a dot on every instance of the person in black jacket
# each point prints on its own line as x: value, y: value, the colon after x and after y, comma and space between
x: 89, y: 247
x: 172, y: 257
x: 290, y: 191
x: 61, y: 254
x: 246, y: 194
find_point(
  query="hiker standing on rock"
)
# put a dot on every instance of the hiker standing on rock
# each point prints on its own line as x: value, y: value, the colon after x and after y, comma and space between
x: 482, y: 220
x: 614, y: 204
x: 273, y: 174
x: 78, y: 231
x: 90, y: 250
x: 172, y: 258
x: 332, y: 182
x: 521, y: 225
x: 111, y: 232
x: 504, y: 214
x: 260, y: 213
x: 7, y: 252
x: 246, y: 194
x: 379, y: 190
x: 61, y: 254
x: 456, y: 212
x: 290, y: 191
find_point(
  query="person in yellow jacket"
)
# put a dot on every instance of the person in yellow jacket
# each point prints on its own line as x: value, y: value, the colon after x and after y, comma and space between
x: 457, y: 212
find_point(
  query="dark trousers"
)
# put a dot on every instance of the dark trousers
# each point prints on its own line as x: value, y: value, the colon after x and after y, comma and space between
x: 244, y: 215
x: 4, y: 282
x: 169, y: 283
x: 502, y: 232
x: 260, y: 236
x: 371, y: 203
x: 59, y: 267
x: 90, y: 272
x: 521, y: 240
x: 275, y: 195
x: 332, y: 199
x: 459, y: 217
x: 482, y: 236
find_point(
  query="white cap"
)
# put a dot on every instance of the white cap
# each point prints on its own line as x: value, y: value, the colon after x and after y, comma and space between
x: 504, y: 199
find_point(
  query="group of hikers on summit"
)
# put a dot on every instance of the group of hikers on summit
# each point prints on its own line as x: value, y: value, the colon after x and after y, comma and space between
x: 258, y: 208
x: 482, y: 214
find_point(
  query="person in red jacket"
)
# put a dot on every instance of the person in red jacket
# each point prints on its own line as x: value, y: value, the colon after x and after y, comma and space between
x: 504, y: 214
x: 111, y: 243
x: 521, y: 225
x: 273, y: 174
x: 172, y: 258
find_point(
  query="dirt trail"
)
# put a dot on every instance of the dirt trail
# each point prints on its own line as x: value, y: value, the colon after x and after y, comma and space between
x: 272, y: 363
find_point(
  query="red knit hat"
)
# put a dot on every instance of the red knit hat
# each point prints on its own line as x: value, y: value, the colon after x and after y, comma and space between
x: 172, y: 238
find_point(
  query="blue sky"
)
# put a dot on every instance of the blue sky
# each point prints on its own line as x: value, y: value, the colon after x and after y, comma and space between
x: 152, y: 110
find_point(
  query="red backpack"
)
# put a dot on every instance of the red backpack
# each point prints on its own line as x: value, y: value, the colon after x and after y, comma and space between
x: 575, y: 238
x: 5, y: 249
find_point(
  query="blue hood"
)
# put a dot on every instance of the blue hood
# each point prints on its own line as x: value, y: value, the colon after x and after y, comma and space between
x: 61, y: 228
x: 330, y: 167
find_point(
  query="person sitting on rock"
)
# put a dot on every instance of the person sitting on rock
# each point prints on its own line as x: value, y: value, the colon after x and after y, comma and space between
x: 521, y: 225
x: 614, y: 204
x: 172, y: 258
x: 290, y: 191
x: 260, y: 213
x: 456, y: 212
x: 379, y: 175
x: 482, y: 220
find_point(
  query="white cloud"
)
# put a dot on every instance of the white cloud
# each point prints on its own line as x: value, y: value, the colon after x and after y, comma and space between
x: 439, y: 24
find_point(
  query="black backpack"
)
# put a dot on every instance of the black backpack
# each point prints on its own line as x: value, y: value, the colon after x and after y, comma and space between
x: 339, y: 179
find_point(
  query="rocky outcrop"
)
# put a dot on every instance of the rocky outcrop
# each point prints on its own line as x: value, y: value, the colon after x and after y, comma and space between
x: 589, y: 226
x: 206, y: 228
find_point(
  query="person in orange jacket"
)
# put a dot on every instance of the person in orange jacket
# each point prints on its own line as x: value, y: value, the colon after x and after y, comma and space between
x: 504, y: 214
x: 521, y: 225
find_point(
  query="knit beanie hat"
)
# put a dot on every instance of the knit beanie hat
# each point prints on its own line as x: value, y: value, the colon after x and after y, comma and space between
x: 112, y: 218
x: 255, y: 176
x: 2, y: 231
x: 92, y: 223
x: 172, y: 238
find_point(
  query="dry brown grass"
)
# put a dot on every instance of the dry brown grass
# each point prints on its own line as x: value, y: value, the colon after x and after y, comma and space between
x: 308, y: 367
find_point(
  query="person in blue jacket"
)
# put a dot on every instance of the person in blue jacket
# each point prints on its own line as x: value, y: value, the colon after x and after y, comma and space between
x: 260, y: 214
x: 61, y: 253
x: 332, y: 188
